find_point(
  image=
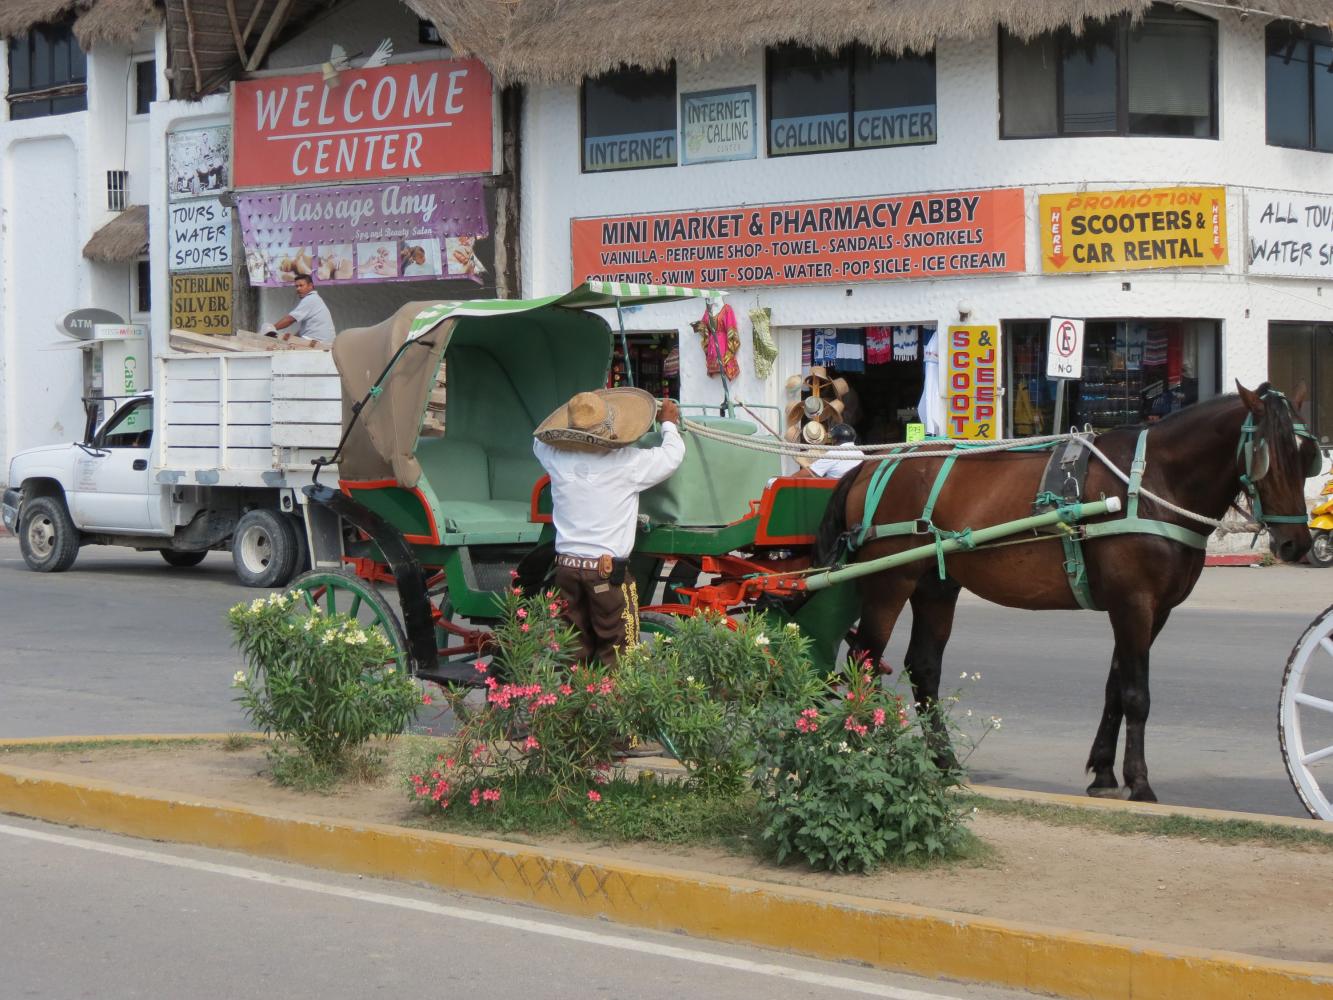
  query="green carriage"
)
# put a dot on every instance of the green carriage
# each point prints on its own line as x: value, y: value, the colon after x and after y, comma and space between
x: 454, y: 519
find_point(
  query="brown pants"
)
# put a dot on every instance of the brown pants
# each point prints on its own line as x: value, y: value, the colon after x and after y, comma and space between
x: 606, y: 614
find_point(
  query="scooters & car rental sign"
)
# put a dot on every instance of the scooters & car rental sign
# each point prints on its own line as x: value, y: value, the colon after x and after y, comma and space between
x: 869, y: 239
x: 1140, y: 229
x: 422, y: 119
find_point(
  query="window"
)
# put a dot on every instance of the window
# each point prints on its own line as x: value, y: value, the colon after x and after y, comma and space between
x: 820, y: 101
x: 629, y: 120
x: 131, y: 427
x: 1156, y: 77
x: 1303, y: 352
x: 143, y: 287
x: 1300, y: 87
x: 48, y: 73
x: 145, y: 85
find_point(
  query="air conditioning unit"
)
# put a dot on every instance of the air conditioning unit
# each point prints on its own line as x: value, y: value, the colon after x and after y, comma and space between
x: 117, y: 188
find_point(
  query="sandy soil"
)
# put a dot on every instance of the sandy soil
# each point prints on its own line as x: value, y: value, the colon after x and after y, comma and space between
x: 1259, y: 900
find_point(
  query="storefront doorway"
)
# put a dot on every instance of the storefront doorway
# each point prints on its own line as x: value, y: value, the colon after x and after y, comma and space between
x: 1134, y: 371
x: 653, y: 363
x: 1303, y: 353
x: 883, y: 369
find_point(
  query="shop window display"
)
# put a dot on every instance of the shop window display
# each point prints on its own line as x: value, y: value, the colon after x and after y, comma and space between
x: 883, y: 369
x: 1303, y: 353
x: 654, y: 363
x: 1134, y: 372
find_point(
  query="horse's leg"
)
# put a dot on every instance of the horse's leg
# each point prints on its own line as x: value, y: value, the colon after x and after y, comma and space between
x: 883, y: 596
x: 933, y: 604
x: 1101, y: 758
x: 1135, y: 627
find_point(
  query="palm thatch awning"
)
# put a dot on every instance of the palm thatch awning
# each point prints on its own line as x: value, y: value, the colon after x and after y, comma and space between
x: 123, y: 239
x: 563, y: 41
x: 96, y: 22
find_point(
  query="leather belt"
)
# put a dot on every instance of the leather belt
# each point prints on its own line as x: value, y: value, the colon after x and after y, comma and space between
x: 599, y: 564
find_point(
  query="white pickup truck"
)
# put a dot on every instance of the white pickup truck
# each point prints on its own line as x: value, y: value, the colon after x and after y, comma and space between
x: 213, y: 458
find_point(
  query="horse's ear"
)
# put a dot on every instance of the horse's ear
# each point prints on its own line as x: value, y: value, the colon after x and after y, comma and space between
x: 1299, y: 397
x: 1251, y: 399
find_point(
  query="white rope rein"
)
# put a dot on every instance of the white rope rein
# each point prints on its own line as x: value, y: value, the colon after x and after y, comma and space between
x: 933, y: 450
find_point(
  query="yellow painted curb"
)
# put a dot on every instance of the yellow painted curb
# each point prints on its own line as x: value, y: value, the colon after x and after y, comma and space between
x: 820, y: 924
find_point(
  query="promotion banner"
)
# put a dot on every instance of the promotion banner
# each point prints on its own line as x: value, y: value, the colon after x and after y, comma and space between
x: 869, y: 239
x: 202, y: 302
x: 198, y: 235
x: 1133, y: 230
x: 368, y: 233
x: 718, y: 125
x: 417, y: 119
x: 972, y: 381
x: 1290, y: 234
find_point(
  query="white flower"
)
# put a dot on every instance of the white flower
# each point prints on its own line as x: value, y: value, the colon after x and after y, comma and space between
x: 689, y: 679
x: 238, y: 678
x: 257, y: 604
x: 328, y: 637
x: 963, y: 676
x: 277, y: 600
x: 844, y: 748
x: 356, y: 638
x: 976, y: 676
x: 969, y: 713
x: 389, y: 671
x: 995, y: 721
x: 761, y: 639
x: 309, y: 624
x: 793, y: 627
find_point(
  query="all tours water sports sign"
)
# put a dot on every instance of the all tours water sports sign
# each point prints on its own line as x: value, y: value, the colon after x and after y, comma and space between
x: 1133, y: 230
x: 870, y: 239
x: 422, y: 119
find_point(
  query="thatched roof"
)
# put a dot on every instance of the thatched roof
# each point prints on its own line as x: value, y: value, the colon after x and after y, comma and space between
x: 96, y: 22
x: 123, y: 239
x: 562, y: 41
x: 115, y: 22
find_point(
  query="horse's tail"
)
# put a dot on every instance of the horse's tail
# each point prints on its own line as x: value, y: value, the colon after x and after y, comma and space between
x: 830, y: 540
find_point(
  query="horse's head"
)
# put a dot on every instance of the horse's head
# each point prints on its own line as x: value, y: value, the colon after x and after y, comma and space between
x: 1275, y: 456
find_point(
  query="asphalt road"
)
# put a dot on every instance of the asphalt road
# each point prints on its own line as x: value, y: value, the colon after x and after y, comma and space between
x: 87, y: 914
x: 123, y: 643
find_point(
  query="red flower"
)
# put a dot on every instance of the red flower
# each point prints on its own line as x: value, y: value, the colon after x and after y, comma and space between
x: 475, y: 797
x: 521, y: 613
x: 524, y: 627
x: 479, y: 667
x: 491, y: 795
x: 425, y: 698
x: 878, y: 716
x: 594, y: 795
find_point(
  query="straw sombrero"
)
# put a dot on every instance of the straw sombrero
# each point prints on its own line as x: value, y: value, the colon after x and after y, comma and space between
x: 599, y: 421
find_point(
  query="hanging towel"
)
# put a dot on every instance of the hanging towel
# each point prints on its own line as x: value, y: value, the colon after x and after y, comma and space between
x: 765, y: 351
x: 905, y: 342
x: 807, y: 349
x: 879, y: 345
x: 851, y: 351
x: 825, y: 347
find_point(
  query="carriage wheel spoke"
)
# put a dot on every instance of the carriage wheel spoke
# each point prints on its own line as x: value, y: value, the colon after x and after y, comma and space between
x: 331, y: 595
x: 356, y: 605
x: 1326, y: 643
x: 1323, y: 704
x: 1317, y: 756
x: 309, y: 600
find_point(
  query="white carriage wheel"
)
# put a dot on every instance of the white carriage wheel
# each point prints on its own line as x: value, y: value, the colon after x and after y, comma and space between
x: 1309, y: 754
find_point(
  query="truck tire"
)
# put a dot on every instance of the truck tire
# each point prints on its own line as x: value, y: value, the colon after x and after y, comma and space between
x: 302, y: 564
x: 47, y: 537
x: 182, y: 559
x: 263, y: 549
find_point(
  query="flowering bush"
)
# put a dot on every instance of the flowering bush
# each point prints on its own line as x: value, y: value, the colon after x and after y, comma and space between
x: 321, y: 682
x: 848, y: 783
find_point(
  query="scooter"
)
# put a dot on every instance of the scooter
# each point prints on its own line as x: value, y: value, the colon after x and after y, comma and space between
x: 1321, y: 527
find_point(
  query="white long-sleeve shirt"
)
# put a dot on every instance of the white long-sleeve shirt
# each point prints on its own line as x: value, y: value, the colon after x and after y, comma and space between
x: 834, y: 465
x: 595, y: 495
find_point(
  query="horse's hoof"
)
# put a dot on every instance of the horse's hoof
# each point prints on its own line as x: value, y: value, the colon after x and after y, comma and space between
x: 1142, y: 794
x: 1103, y: 792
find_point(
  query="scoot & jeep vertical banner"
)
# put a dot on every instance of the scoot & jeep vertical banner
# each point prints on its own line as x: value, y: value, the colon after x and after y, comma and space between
x: 869, y: 239
x: 971, y: 407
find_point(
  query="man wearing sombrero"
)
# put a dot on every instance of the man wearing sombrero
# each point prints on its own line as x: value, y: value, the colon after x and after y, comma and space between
x: 586, y: 446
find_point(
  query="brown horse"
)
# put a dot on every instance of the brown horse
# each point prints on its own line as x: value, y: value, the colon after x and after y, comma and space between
x: 1197, y: 459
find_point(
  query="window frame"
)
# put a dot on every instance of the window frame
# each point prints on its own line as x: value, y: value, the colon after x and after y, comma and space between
x: 118, y: 418
x: 583, y: 122
x: 1310, y: 36
x: 132, y: 99
x: 854, y: 48
x: 1124, y: 26
x: 48, y: 93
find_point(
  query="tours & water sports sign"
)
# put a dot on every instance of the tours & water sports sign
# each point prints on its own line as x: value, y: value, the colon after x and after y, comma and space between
x: 1290, y: 234
x: 409, y: 231
x: 972, y: 381
x: 418, y: 119
x: 1133, y: 230
x: 198, y: 235
x: 868, y: 239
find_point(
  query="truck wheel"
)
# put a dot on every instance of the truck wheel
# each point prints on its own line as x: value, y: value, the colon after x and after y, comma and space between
x: 1321, y: 549
x: 263, y: 549
x: 302, y: 562
x: 182, y: 559
x: 47, y: 537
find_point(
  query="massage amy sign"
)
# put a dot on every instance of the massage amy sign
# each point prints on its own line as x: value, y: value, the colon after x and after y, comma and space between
x: 423, y: 119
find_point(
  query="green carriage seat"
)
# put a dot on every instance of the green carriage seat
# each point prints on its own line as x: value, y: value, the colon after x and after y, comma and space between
x: 482, y: 497
x: 715, y: 483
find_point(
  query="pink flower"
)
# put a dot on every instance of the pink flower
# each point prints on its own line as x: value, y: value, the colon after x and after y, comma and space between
x: 555, y: 646
x: 852, y: 726
x: 878, y: 716
x: 491, y: 795
x: 448, y: 763
x: 475, y: 797
x: 492, y: 683
x: 513, y: 574
x: 531, y: 744
x: 518, y: 590
x: 594, y: 795
x: 553, y: 608
x: 566, y: 690
x: 521, y: 613
x: 425, y: 698
x: 591, y: 689
x: 477, y: 751
x: 605, y: 686
x: 524, y: 627
x: 479, y: 667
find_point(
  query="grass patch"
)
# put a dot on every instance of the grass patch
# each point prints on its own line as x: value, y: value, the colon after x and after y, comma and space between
x: 304, y: 773
x: 235, y: 742
x: 86, y: 746
x: 1216, y: 831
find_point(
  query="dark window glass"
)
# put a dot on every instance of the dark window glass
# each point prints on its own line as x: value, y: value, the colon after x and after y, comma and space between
x: 143, y: 287
x: 1322, y: 70
x: 1303, y: 353
x: 821, y: 101
x: 1299, y: 85
x: 48, y: 73
x: 145, y: 86
x: 629, y: 120
x: 131, y: 427
x: 1156, y: 77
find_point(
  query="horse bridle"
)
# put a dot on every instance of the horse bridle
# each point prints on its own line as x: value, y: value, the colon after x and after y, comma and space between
x: 1255, y: 451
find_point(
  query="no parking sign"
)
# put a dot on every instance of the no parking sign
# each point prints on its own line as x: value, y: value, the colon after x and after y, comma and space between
x: 1064, y: 348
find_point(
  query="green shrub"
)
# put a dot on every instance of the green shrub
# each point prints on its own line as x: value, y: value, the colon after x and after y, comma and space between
x: 849, y: 783
x: 322, y: 683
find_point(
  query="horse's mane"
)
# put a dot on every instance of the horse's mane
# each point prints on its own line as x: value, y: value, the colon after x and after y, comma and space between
x: 1275, y: 426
